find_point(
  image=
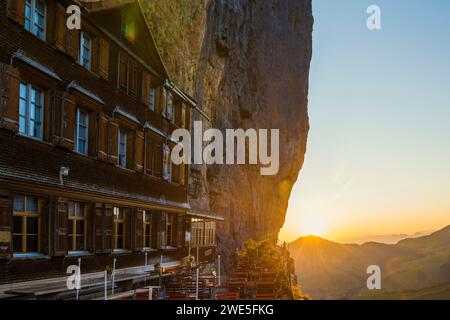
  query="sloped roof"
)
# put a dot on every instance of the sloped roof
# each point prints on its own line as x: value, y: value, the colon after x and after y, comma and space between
x: 98, y: 5
x: 93, y: 6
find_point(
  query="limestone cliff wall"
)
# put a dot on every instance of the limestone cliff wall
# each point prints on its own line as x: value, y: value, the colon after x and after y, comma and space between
x: 247, y: 64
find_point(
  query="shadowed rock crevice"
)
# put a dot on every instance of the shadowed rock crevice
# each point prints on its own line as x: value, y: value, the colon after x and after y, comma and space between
x: 247, y: 64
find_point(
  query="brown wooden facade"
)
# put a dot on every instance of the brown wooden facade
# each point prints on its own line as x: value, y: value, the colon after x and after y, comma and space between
x: 98, y: 102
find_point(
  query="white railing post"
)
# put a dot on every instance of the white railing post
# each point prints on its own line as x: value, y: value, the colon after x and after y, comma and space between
x: 113, y: 276
x: 78, y: 282
x: 106, y: 285
x: 218, y: 268
x: 196, y: 283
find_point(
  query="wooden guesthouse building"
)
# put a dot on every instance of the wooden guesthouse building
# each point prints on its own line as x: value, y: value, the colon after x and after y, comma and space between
x: 85, y: 123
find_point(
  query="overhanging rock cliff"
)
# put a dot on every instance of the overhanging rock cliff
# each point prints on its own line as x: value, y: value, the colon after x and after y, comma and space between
x: 247, y: 64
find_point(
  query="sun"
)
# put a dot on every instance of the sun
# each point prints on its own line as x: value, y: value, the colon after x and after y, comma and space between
x: 313, y: 224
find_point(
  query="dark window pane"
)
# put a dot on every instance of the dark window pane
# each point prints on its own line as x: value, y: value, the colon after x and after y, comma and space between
x: 120, y: 229
x: 17, y: 221
x: 119, y: 242
x: 80, y: 228
x: 80, y: 243
x: 32, y: 243
x: 70, y: 228
x: 17, y: 243
x: 32, y: 225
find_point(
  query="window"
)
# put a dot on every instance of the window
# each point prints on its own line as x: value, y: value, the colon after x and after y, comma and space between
x: 35, y: 11
x: 147, y: 229
x: 169, y: 105
x: 26, y: 224
x: 170, y: 226
x: 31, y: 111
x: 178, y: 113
x: 81, y: 143
x: 167, y: 163
x: 203, y: 232
x: 176, y: 170
x: 122, y: 149
x: 196, y: 229
x: 85, y: 51
x: 182, y: 173
x: 119, y: 228
x: 154, y: 158
x: 127, y: 76
x: 77, y: 226
x: 210, y: 235
x: 152, y: 97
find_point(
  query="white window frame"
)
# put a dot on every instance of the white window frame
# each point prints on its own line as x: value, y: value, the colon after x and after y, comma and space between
x: 124, y: 155
x: 166, y: 163
x: 169, y: 106
x: 77, y: 141
x: 33, y: 24
x: 85, y: 46
x: 27, y: 116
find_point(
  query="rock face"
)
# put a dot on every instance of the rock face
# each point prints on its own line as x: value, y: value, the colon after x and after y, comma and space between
x: 246, y: 62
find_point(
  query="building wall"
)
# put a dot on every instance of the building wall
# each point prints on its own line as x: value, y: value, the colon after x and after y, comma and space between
x: 31, y: 166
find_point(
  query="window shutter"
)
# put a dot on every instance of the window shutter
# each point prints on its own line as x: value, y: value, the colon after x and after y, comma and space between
x: 180, y: 230
x: 102, y: 137
x: 103, y: 69
x: 16, y: 11
x: 6, y: 218
x: 45, y: 227
x: 157, y: 219
x: 157, y: 99
x: 69, y: 107
x: 60, y: 28
x: 98, y: 226
x: 129, y: 229
x: 139, y: 152
x: 146, y: 83
x: 113, y: 143
x: 182, y: 173
x: 139, y: 226
x: 9, y: 86
x: 73, y: 43
x: 162, y: 230
x: 108, y: 228
x: 95, y: 63
x: 183, y: 116
x: 61, y: 226
x: 56, y: 117
x: 90, y: 226
x: 175, y: 174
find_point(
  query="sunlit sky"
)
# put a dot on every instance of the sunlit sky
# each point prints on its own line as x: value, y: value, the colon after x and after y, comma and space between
x: 378, y: 158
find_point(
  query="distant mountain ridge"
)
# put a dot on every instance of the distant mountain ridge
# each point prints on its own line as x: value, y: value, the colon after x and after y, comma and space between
x: 383, y: 238
x: 330, y: 270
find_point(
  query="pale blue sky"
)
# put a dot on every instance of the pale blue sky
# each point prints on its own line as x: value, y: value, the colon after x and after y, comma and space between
x: 378, y: 158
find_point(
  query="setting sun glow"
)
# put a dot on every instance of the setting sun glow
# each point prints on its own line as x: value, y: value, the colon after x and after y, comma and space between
x: 311, y: 224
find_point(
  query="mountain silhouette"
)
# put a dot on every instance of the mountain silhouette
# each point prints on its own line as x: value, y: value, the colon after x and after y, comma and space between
x: 331, y: 270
